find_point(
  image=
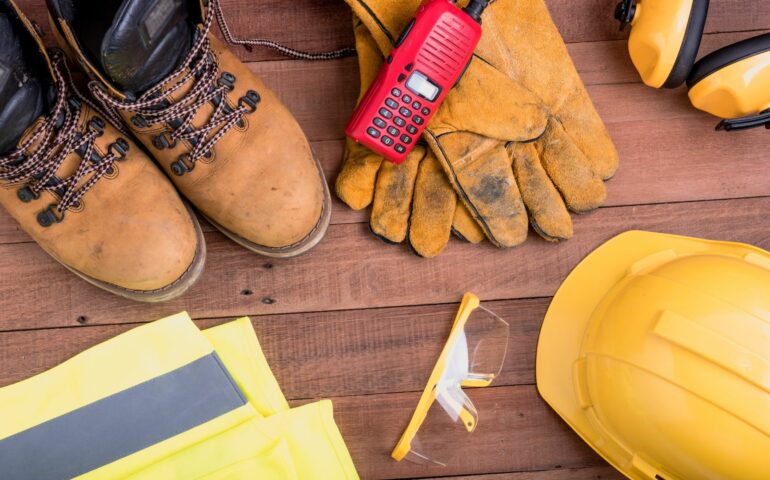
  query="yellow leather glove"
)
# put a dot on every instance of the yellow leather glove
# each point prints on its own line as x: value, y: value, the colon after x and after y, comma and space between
x: 414, y: 200
x: 519, y: 129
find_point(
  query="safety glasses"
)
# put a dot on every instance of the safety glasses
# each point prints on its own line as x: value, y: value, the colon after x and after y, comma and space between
x: 472, y: 357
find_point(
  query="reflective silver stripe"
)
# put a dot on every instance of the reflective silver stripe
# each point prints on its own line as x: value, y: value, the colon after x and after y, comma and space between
x: 119, y: 425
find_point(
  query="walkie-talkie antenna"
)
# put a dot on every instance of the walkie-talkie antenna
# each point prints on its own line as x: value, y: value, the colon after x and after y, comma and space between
x: 475, y: 8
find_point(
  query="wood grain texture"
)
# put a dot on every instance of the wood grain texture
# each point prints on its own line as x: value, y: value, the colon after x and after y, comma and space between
x: 518, y: 432
x: 357, y: 271
x: 589, y: 473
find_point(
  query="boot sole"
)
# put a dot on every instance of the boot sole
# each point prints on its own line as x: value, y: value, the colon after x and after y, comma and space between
x: 173, y: 290
x: 310, y: 241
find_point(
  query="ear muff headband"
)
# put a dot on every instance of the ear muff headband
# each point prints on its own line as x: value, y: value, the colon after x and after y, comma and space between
x: 733, y: 81
x: 665, y: 38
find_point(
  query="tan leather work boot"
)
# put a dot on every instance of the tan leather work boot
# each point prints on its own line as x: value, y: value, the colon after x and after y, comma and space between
x: 85, y: 193
x: 225, y: 140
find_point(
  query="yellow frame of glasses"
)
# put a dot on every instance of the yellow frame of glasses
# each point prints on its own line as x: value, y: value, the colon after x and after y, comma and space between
x: 470, y: 302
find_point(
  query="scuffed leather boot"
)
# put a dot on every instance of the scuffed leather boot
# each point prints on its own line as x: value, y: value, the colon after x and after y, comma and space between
x: 225, y: 140
x: 85, y: 193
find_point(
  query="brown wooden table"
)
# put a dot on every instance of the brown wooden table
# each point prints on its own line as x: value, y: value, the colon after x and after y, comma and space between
x: 362, y: 322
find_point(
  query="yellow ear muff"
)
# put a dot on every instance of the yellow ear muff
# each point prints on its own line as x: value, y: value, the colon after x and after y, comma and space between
x: 733, y: 81
x: 665, y: 38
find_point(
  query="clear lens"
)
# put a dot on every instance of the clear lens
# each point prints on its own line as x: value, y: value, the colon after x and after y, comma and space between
x: 476, y: 357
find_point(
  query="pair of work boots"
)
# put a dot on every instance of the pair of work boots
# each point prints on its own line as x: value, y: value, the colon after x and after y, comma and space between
x: 72, y: 176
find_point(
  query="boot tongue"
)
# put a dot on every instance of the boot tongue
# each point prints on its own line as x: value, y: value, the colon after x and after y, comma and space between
x: 22, y: 96
x: 146, y: 41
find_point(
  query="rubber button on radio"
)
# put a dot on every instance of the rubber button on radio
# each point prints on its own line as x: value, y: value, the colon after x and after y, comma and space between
x: 396, y: 92
x: 399, y: 121
x: 373, y: 132
x: 406, y: 139
x: 379, y: 122
x: 406, y: 113
x: 417, y: 105
x: 407, y: 99
x: 393, y: 131
x: 411, y: 129
x: 386, y: 113
x: 400, y: 148
x: 391, y: 103
x: 387, y: 141
x: 426, y: 111
x: 418, y: 120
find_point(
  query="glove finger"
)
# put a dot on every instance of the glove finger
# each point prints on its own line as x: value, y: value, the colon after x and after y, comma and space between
x: 355, y: 181
x: 370, y: 57
x: 570, y: 171
x: 490, y: 104
x: 547, y: 212
x: 480, y: 172
x: 465, y: 226
x: 393, y: 197
x: 587, y: 131
x: 432, y: 210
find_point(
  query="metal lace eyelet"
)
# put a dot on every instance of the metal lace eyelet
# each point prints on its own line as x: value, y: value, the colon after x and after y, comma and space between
x: 227, y: 80
x: 26, y: 194
x: 97, y: 126
x: 161, y: 141
x: 139, y: 121
x: 48, y: 217
x: 179, y: 167
x: 250, y: 101
x: 119, y: 149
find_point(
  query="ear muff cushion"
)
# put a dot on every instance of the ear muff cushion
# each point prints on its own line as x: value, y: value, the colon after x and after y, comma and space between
x: 727, y: 56
x: 690, y: 44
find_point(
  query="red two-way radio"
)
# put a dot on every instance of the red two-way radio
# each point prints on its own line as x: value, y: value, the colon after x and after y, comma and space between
x: 428, y: 60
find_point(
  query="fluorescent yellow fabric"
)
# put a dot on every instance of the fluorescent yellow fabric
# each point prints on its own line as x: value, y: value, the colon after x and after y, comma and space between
x: 131, y: 358
x: 237, y: 345
x: 315, y: 448
x: 262, y: 439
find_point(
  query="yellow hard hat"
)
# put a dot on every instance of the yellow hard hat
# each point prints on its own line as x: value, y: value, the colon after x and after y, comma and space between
x: 656, y: 351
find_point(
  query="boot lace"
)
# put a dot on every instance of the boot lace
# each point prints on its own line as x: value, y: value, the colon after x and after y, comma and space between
x: 201, y: 69
x: 35, y: 162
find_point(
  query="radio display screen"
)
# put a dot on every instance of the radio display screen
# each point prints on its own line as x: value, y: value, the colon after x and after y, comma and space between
x: 422, y: 86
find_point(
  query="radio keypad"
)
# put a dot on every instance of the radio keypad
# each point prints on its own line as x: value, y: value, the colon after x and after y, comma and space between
x: 400, y: 130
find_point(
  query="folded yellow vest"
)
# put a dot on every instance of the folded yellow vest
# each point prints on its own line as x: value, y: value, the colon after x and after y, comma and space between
x: 166, y: 400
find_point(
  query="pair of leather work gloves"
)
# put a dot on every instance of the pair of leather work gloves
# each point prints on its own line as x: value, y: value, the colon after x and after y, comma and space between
x: 517, y: 139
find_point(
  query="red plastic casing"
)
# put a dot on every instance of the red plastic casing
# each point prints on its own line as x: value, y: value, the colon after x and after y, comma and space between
x: 438, y: 43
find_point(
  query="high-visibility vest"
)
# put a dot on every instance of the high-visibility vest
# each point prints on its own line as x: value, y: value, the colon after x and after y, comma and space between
x: 167, y: 401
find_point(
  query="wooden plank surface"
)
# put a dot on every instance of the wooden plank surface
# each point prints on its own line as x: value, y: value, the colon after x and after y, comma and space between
x: 362, y: 322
